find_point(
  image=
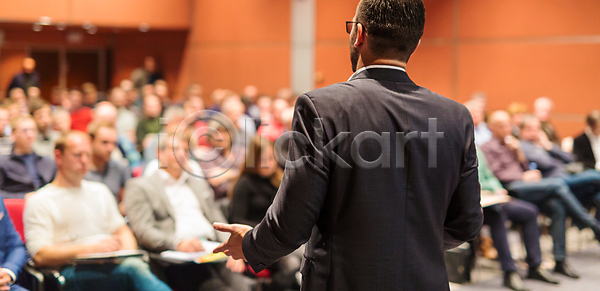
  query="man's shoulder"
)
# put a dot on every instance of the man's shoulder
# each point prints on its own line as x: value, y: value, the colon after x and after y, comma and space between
x: 344, y: 91
x: 142, y: 182
x: 581, y: 138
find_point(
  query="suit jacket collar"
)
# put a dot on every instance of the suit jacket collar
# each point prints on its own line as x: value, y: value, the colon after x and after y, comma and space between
x: 389, y: 73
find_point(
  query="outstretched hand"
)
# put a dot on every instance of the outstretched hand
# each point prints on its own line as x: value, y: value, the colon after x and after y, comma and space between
x: 233, y: 245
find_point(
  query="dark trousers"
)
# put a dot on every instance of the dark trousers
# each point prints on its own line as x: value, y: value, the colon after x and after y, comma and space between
x: 554, y: 198
x: 203, y: 277
x: 522, y: 213
x: 586, y: 187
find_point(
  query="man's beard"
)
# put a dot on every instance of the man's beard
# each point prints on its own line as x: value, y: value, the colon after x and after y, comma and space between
x: 353, y: 52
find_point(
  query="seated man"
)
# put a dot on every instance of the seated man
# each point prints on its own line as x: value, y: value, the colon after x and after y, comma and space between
x: 102, y: 168
x: 12, y: 252
x: 172, y: 210
x: 551, y: 161
x: 23, y: 171
x: 6, y: 142
x: 517, y: 211
x: 44, y: 142
x: 508, y: 163
x: 72, y: 217
x: 586, y: 147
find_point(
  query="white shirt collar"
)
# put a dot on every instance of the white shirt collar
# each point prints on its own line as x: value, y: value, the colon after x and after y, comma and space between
x: 169, y: 180
x: 376, y: 67
x: 590, y: 134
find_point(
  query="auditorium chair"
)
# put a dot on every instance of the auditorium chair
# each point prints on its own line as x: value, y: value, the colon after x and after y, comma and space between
x: 32, y: 277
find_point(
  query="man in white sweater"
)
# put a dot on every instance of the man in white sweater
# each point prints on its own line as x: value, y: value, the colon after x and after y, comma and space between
x: 71, y: 217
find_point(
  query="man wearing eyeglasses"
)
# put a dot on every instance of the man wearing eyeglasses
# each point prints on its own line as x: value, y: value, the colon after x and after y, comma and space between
x: 388, y: 177
x: 23, y: 171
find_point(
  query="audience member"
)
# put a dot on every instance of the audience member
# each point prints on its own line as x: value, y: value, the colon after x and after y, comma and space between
x: 23, y: 171
x: 6, y: 142
x: 194, y: 89
x: 90, y: 94
x: 19, y: 101
x: 172, y: 210
x: 126, y: 151
x: 102, y: 168
x: 542, y: 109
x: 72, y: 217
x: 552, y: 161
x: 217, y: 97
x: 222, y: 165
x: 33, y: 93
x: 234, y: 108
x: 482, y: 133
x: 150, y: 122
x: 516, y: 110
x: 127, y: 121
x: 508, y: 163
x: 62, y: 120
x: 44, y: 142
x: 249, y: 97
x: 12, y: 252
x: 81, y: 115
x: 161, y: 89
x: 586, y: 147
x: 252, y: 195
x: 27, y: 78
x: 148, y: 74
x: 519, y: 212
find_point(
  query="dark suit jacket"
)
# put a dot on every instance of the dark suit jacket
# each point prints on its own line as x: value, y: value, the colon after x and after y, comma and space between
x: 582, y: 150
x: 15, y: 180
x: 384, y: 228
x: 12, y: 250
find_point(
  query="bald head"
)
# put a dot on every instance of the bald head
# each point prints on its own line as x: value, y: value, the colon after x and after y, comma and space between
x: 542, y: 108
x: 499, y: 124
x: 28, y: 65
x: 105, y: 111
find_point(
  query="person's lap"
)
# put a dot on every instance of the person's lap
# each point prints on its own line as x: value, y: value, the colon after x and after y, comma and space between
x: 130, y: 274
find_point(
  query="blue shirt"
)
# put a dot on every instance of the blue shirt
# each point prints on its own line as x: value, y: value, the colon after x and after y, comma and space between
x: 29, y: 161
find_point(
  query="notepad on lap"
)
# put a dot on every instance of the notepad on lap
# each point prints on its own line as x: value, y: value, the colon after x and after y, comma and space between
x: 110, y: 257
x: 206, y: 256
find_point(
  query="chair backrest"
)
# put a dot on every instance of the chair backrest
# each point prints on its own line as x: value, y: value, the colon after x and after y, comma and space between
x: 15, y: 212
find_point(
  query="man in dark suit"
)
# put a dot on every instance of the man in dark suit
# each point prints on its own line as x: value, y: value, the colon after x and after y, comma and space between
x: 586, y: 147
x: 387, y: 177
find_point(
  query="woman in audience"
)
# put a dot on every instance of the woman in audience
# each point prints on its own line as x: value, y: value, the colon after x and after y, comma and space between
x: 252, y: 195
x: 222, y: 164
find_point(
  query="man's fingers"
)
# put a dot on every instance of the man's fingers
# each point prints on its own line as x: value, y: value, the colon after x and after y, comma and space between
x: 223, y: 227
x: 221, y: 248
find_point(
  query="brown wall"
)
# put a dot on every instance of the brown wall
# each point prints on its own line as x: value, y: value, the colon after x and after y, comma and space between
x: 512, y: 50
x: 159, y: 14
x: 236, y: 43
x: 129, y: 48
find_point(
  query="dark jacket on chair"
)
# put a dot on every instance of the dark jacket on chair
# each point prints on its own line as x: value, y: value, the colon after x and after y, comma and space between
x: 582, y: 150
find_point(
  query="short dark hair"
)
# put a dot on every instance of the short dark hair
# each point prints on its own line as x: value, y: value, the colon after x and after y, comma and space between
x: 593, y: 119
x: 393, y: 26
x: 37, y: 104
x: 95, y: 126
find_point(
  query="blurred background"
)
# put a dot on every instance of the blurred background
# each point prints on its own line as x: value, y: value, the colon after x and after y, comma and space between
x: 510, y: 50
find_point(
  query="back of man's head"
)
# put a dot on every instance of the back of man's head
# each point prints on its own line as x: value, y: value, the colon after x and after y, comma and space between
x: 394, y: 27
